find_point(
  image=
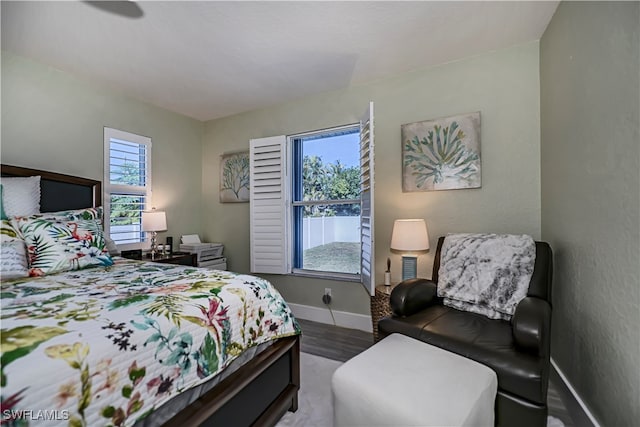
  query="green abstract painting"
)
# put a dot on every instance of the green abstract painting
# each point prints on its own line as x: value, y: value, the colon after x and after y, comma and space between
x: 441, y: 154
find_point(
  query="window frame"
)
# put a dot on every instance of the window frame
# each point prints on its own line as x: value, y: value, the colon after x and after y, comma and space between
x: 294, y: 143
x: 109, y: 188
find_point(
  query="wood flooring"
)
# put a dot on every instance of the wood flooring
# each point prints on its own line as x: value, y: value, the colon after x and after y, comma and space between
x: 337, y: 343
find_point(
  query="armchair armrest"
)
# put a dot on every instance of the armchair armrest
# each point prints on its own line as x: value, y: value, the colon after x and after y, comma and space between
x: 411, y: 296
x: 531, y: 323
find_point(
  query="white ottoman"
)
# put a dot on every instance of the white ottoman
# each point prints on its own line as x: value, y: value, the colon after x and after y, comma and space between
x: 401, y: 381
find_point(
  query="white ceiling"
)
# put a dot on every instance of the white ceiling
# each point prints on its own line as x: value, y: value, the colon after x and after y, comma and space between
x: 212, y: 59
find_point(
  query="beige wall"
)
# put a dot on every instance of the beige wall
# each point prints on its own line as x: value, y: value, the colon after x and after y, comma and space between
x: 502, y: 85
x: 590, y: 95
x: 54, y: 121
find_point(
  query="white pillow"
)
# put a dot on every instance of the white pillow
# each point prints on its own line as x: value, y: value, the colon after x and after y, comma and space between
x: 13, y: 260
x: 21, y: 196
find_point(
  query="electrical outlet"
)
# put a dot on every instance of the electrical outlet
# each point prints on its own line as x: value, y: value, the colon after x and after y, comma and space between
x: 326, y: 298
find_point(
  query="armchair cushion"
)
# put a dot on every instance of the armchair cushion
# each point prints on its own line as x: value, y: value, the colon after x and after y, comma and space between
x: 531, y: 323
x: 411, y: 296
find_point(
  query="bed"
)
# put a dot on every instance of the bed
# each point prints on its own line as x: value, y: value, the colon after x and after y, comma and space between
x: 126, y: 342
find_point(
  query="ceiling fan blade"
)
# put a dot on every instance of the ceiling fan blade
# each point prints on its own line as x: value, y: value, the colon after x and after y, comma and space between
x: 129, y: 9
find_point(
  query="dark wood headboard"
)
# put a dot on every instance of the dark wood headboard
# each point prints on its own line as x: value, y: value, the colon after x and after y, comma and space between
x: 59, y: 192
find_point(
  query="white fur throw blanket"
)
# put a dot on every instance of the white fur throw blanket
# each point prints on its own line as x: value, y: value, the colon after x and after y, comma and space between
x: 488, y: 274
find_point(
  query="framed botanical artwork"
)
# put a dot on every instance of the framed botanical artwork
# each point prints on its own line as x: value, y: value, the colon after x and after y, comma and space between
x: 441, y: 154
x: 234, y: 177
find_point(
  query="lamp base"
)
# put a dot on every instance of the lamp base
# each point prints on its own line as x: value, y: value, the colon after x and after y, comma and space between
x: 409, y: 267
x: 387, y: 278
x: 154, y: 245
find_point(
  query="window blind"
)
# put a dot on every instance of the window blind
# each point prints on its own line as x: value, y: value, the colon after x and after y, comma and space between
x: 367, y: 265
x: 269, y: 216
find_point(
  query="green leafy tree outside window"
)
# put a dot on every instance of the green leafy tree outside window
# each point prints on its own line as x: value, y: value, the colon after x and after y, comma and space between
x: 329, y: 181
x: 125, y: 210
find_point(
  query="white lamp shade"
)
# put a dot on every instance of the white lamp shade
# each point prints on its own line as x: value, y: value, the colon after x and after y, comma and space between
x: 154, y: 221
x: 410, y: 235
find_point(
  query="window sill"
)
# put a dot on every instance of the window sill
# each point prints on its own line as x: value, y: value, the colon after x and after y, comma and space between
x: 326, y: 275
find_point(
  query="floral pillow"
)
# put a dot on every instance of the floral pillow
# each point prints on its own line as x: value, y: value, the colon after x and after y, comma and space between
x: 85, y: 214
x: 62, y: 243
x: 8, y: 232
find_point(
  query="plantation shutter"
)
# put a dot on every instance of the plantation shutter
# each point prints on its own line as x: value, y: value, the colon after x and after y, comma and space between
x: 269, y: 212
x: 367, y: 265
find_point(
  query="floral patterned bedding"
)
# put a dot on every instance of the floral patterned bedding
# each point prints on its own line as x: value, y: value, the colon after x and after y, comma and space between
x: 108, y: 345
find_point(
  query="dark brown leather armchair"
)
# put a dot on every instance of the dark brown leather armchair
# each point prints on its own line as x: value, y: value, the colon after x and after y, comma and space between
x: 518, y: 351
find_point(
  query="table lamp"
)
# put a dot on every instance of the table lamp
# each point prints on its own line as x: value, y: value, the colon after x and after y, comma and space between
x: 410, y: 236
x: 154, y: 221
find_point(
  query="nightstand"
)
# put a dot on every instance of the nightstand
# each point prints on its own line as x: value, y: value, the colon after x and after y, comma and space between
x: 380, y: 307
x: 181, y: 258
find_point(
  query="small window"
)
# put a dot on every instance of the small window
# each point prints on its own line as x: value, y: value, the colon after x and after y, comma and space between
x: 127, y: 186
x: 326, y: 201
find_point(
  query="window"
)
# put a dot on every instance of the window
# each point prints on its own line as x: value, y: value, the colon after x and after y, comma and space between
x: 311, y: 203
x: 326, y: 201
x: 127, y: 186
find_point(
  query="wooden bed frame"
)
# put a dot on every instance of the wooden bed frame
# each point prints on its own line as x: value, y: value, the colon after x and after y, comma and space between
x: 257, y: 394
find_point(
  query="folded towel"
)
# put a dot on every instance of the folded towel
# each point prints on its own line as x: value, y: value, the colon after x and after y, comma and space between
x: 488, y: 274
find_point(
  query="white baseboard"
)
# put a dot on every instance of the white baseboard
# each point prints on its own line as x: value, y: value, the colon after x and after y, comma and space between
x: 575, y: 395
x: 322, y: 315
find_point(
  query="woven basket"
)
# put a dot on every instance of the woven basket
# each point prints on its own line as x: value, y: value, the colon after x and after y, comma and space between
x: 380, y: 307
